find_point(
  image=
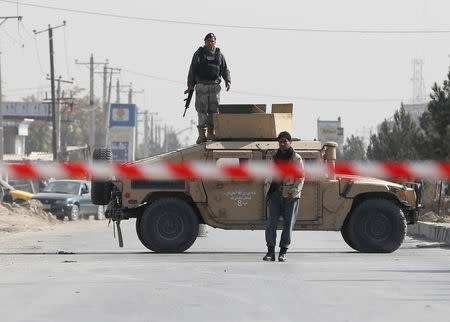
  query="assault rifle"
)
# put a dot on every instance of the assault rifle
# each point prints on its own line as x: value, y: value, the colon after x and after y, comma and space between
x: 187, y: 100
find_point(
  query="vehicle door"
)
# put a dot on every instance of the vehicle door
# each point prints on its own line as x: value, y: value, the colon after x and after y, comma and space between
x: 85, y: 199
x: 309, y: 210
x: 235, y: 202
x: 310, y: 201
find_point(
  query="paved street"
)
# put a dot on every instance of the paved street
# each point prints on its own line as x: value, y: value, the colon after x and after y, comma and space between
x: 221, y: 278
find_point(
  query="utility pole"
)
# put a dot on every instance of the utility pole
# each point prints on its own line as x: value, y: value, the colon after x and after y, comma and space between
x: 52, y: 83
x: 130, y: 101
x: 118, y: 92
x: 1, y: 94
x: 58, y: 111
x: 92, y: 65
x: 146, y: 129
x: 106, y: 97
x: 108, y: 108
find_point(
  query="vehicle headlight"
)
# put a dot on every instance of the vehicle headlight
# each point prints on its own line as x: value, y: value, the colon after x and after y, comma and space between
x: 61, y: 202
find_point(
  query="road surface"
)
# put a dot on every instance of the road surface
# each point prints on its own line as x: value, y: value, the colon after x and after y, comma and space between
x: 221, y: 278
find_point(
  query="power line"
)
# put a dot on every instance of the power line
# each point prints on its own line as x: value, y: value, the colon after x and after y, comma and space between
x: 181, y: 22
x: 300, y: 98
x: 25, y: 89
x: 34, y: 39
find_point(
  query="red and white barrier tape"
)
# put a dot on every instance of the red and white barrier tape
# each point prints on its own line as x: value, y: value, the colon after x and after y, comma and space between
x: 252, y: 170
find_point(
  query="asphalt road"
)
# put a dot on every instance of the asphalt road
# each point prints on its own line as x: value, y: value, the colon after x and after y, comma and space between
x: 221, y: 278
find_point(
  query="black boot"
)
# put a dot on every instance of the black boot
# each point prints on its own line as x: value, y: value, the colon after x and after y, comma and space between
x: 270, y: 256
x: 282, y: 255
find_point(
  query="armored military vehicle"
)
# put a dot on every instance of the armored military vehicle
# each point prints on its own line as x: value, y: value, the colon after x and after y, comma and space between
x: 371, y: 214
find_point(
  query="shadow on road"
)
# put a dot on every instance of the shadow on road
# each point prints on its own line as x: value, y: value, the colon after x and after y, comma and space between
x: 165, y: 254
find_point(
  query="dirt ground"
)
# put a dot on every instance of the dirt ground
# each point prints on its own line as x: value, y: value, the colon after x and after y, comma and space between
x: 27, y: 217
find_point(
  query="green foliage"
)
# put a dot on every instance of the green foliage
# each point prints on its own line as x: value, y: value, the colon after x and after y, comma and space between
x: 354, y: 149
x: 39, y: 133
x: 74, y: 126
x: 39, y: 137
x: 435, y: 123
x: 396, y: 140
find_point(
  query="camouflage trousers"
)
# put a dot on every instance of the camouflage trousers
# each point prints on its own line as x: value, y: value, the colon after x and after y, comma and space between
x: 207, y: 98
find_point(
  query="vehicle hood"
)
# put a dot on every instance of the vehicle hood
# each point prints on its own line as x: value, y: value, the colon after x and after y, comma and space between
x: 19, y: 194
x: 368, y: 180
x: 53, y: 196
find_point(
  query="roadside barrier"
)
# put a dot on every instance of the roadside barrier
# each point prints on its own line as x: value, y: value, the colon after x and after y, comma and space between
x: 251, y: 170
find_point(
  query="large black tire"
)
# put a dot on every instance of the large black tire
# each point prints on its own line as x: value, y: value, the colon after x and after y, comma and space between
x: 376, y: 226
x: 168, y: 225
x: 101, y: 190
x: 138, y: 229
x: 346, y: 236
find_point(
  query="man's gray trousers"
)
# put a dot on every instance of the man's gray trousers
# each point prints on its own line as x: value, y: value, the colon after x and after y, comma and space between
x: 279, y: 207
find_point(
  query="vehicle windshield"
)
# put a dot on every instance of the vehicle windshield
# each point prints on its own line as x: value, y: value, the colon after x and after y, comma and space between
x: 68, y: 187
x: 6, y: 185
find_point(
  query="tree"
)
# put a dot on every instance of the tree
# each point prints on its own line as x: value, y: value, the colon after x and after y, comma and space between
x: 397, y: 140
x: 39, y: 137
x: 435, y: 123
x: 39, y: 133
x: 354, y: 149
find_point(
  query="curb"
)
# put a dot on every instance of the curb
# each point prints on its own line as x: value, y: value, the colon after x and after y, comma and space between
x: 435, y: 231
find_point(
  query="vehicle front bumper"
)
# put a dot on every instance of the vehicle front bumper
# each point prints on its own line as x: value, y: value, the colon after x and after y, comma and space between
x: 59, y: 210
x: 412, y: 216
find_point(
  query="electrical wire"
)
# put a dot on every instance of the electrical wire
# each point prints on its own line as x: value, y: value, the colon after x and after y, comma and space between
x: 181, y: 22
x: 299, y: 98
x: 25, y: 89
x: 34, y: 39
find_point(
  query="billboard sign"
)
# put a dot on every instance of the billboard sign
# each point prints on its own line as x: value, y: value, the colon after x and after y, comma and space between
x: 122, y: 126
x: 331, y: 131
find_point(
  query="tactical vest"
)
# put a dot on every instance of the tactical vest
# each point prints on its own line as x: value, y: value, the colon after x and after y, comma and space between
x: 208, y: 69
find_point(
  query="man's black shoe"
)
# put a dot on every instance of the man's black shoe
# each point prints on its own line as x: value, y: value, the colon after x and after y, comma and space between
x: 282, y: 255
x: 270, y: 256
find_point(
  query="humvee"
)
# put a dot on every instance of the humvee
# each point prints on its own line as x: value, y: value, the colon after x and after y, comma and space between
x: 371, y: 214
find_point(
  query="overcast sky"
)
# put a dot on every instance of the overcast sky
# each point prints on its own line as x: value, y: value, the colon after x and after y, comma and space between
x: 359, y: 76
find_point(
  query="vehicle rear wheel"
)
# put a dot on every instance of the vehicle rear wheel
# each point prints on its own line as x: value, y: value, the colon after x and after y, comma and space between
x: 101, y: 190
x: 74, y: 213
x: 99, y: 214
x: 168, y: 225
x: 376, y: 226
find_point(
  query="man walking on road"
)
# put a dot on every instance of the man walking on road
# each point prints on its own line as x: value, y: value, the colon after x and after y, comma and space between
x: 207, y: 68
x: 283, y: 200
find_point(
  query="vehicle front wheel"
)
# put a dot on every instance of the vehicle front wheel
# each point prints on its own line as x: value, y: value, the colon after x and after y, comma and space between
x: 376, y: 226
x: 168, y: 225
x: 346, y: 236
x: 74, y: 213
x: 19, y: 201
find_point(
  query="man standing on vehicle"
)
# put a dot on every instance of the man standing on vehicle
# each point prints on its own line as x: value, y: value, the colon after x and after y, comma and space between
x: 207, y: 68
x: 283, y: 200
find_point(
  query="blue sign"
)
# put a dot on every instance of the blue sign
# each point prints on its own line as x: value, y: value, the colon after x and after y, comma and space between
x: 119, y: 150
x: 123, y: 115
